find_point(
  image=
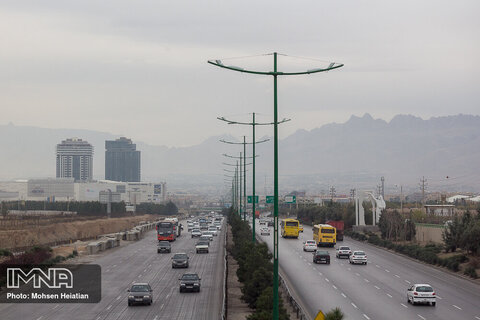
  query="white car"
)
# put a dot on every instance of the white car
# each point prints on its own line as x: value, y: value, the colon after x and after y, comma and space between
x: 213, y: 230
x: 196, y: 233
x: 208, y: 234
x: 310, y: 245
x: 264, y: 231
x: 343, y: 251
x: 358, y: 257
x: 421, y: 293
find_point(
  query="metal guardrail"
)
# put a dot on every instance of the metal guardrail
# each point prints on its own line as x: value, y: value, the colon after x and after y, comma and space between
x: 224, y: 304
x: 296, y: 307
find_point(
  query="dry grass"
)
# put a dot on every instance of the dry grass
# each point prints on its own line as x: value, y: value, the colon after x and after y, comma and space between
x: 67, y: 231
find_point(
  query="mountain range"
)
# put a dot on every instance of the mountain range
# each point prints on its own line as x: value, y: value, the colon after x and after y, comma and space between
x: 444, y: 150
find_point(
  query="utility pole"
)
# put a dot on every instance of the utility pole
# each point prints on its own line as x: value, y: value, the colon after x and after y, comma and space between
x: 383, y: 187
x: 352, y: 193
x: 332, y: 193
x: 423, y: 187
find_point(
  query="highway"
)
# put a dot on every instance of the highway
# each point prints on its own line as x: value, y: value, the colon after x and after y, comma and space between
x: 373, y: 291
x: 139, y: 262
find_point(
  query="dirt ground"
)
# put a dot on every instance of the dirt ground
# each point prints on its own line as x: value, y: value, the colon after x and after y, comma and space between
x: 65, y: 232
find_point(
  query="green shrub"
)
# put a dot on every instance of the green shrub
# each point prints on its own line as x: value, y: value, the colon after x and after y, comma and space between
x: 471, y: 272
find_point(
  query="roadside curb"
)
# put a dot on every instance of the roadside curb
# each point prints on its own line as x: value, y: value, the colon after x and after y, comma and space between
x: 445, y: 270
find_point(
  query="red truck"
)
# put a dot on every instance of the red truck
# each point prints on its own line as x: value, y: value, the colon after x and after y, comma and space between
x: 339, y: 226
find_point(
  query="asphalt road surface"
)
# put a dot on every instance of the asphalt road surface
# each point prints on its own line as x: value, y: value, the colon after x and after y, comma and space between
x: 139, y: 262
x: 373, y: 291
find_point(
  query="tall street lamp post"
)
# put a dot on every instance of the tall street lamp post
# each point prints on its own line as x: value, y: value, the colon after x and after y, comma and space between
x: 275, y: 75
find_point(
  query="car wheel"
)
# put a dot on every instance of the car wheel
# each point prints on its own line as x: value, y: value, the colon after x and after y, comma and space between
x: 433, y: 304
x: 181, y: 291
x: 328, y: 262
x: 408, y: 299
x: 129, y: 304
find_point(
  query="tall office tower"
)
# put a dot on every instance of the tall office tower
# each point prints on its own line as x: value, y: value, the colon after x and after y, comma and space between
x: 75, y: 160
x: 122, y: 161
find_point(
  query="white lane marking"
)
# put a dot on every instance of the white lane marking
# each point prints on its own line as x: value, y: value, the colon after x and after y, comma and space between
x: 334, y: 287
x: 145, y: 270
x: 377, y: 288
x: 156, y: 317
x: 366, y: 317
x: 386, y: 270
x: 108, y: 270
x: 397, y: 276
x: 314, y: 269
x: 39, y: 317
x: 326, y: 279
x: 407, y: 281
x: 55, y: 307
x: 139, y: 275
x: 342, y: 264
x: 421, y: 317
x: 161, y: 307
x: 98, y: 318
x: 403, y: 305
x: 389, y: 295
x: 109, y: 307
x: 457, y: 307
x: 118, y: 298
x: 309, y: 264
x: 320, y: 273
x: 377, y: 266
x: 353, y: 304
x: 366, y: 280
x: 477, y: 318
x: 149, y: 265
x: 343, y: 295
x: 357, y: 274
x: 114, y: 266
x: 349, y: 269
x: 439, y: 297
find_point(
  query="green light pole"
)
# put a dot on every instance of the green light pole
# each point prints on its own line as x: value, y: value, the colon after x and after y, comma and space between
x: 253, y: 143
x: 244, y: 170
x: 239, y: 181
x: 275, y: 74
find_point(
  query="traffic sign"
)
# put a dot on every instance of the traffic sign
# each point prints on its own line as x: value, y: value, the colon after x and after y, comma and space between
x: 270, y: 199
x: 291, y: 199
x: 249, y: 199
x: 320, y: 316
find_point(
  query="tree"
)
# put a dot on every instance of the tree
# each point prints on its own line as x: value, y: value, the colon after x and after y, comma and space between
x: 334, y: 314
x: 171, y: 208
x: 470, y: 239
x: 4, y: 209
x: 452, y: 235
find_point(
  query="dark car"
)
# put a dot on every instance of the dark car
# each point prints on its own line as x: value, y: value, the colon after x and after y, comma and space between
x: 140, y: 293
x: 180, y: 260
x: 190, y: 282
x: 164, y: 246
x: 321, y: 256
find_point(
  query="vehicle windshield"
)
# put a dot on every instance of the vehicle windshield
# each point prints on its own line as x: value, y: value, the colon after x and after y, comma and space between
x: 359, y: 253
x: 344, y: 248
x: 424, y: 289
x: 164, y: 243
x: 190, y: 276
x: 139, y: 288
x: 180, y: 256
x: 202, y: 242
x: 291, y: 224
x: 310, y: 242
x: 319, y: 252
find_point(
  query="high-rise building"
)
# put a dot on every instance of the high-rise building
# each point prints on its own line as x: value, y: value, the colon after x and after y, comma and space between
x: 122, y: 161
x: 75, y: 160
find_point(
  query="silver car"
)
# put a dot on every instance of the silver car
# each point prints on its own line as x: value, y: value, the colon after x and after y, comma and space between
x: 358, y: 257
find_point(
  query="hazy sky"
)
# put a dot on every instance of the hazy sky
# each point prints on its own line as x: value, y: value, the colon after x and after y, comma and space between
x: 139, y: 68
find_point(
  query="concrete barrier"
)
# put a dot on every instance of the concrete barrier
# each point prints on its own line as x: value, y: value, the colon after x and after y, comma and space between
x: 93, y: 248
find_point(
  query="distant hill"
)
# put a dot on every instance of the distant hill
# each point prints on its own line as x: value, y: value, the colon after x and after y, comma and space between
x: 356, y: 152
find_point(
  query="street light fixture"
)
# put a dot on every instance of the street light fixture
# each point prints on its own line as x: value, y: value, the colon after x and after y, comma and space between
x: 275, y: 75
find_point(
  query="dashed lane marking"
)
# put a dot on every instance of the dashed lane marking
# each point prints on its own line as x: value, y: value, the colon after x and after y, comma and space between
x: 378, y: 288
x: 386, y: 270
x: 377, y: 266
x: 404, y: 305
x: 389, y: 295
x: 421, y: 317
x: 334, y: 287
x: 366, y: 317
x: 457, y: 307
x: 353, y: 304
x: 343, y: 295
x: 309, y: 264
x: 357, y: 274
x: 439, y: 297
x: 326, y: 279
x: 407, y: 281
x: 118, y: 298
x: 366, y: 280
x: 477, y: 318
x: 397, y: 276
x: 39, y: 318
x: 109, y: 307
